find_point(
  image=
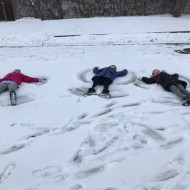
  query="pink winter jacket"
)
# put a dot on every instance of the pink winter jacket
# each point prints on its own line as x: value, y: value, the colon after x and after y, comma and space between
x: 19, y: 78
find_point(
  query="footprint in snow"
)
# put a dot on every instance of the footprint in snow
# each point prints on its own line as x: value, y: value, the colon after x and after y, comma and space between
x: 110, y: 105
x: 153, y: 134
x: 78, y: 91
x: 88, y: 144
x: 7, y: 172
x: 21, y: 125
x: 14, y: 148
x: 78, y: 187
x: 39, y: 133
x: 52, y: 173
x: 104, y: 112
x: 167, y: 175
x: 172, y: 143
x: 183, y: 182
x: 139, y: 141
x: 131, y: 105
x: 72, y: 124
x: 82, y: 116
x: 150, y: 132
x: 89, y: 172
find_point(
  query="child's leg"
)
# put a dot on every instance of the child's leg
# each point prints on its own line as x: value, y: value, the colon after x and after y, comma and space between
x: 107, y: 82
x: 176, y: 91
x: 12, y: 87
x: 3, y: 87
x: 183, y: 90
x: 96, y: 81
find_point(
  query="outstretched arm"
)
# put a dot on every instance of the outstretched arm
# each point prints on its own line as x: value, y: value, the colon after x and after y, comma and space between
x: 122, y: 73
x: 175, y: 75
x: 29, y: 79
x: 96, y: 70
x: 148, y: 80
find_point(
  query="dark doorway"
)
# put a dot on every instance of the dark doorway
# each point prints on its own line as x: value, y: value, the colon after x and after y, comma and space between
x: 6, y: 10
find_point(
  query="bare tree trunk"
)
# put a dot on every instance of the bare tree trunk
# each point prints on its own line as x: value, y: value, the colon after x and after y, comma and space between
x: 4, y: 11
x: 35, y: 7
x: 14, y: 11
x: 177, y: 8
x: 60, y: 10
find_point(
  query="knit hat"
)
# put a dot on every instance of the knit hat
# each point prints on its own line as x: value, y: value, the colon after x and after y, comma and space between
x: 17, y: 70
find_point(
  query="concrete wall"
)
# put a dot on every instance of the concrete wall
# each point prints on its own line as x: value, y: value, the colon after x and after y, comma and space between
x: 57, y: 9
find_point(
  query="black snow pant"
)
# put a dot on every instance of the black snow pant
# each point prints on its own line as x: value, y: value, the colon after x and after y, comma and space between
x: 102, y: 81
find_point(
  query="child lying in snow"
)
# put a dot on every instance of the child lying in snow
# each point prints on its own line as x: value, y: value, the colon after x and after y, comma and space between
x: 105, y: 77
x: 13, y: 80
x: 170, y: 83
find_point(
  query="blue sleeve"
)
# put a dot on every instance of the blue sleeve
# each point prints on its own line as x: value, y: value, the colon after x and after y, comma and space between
x: 95, y: 70
x: 122, y: 73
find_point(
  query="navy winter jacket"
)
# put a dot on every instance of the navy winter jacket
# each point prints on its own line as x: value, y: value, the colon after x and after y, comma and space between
x: 108, y: 72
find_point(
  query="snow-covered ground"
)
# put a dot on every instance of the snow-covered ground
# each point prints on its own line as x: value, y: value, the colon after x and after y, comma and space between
x: 56, y: 139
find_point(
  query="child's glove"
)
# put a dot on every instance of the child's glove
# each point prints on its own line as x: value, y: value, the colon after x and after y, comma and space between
x: 43, y: 80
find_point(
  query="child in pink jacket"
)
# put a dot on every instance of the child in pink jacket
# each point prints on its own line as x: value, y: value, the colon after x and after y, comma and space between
x: 13, y: 80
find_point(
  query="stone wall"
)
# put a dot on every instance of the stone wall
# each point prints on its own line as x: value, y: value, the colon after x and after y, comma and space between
x: 186, y: 7
x: 57, y: 9
x: 43, y: 9
x: 23, y: 8
x: 50, y: 9
x: 91, y: 8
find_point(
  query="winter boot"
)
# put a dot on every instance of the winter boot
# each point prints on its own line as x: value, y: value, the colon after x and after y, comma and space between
x: 13, y: 98
x: 91, y: 91
x: 104, y: 91
x: 186, y: 101
x: 105, y: 94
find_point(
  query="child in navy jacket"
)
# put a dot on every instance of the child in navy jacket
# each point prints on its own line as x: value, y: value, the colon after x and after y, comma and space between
x: 105, y: 77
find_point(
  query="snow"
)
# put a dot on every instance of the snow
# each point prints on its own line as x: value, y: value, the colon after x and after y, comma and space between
x: 57, y: 139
